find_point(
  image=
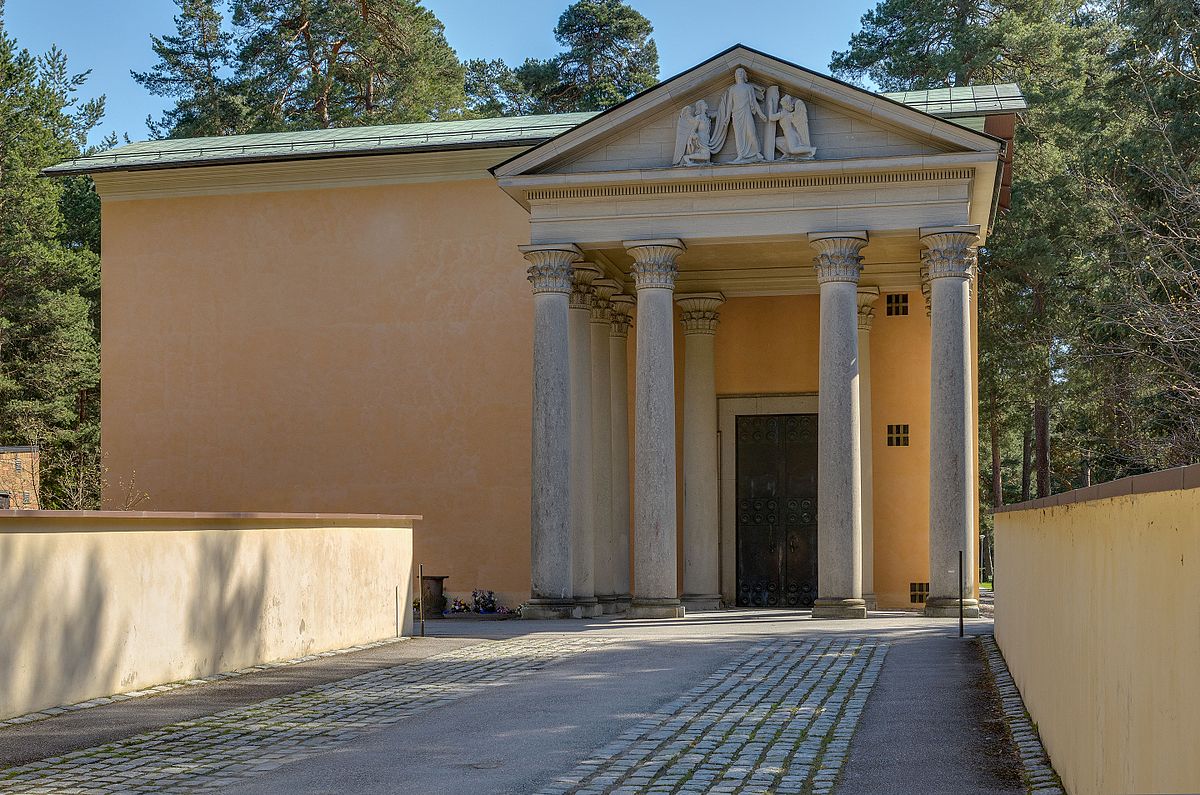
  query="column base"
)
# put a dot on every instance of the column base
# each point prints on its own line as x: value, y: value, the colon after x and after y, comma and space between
x: 947, y: 607
x: 655, y: 608
x: 542, y: 609
x: 588, y: 606
x: 871, y: 602
x: 839, y: 608
x: 610, y: 604
x: 701, y: 603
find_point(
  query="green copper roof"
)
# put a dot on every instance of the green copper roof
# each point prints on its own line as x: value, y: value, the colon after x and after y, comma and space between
x: 424, y: 137
x: 964, y: 101
x: 975, y: 101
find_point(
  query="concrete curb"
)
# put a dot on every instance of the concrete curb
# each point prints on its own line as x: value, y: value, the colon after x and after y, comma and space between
x: 1040, y: 776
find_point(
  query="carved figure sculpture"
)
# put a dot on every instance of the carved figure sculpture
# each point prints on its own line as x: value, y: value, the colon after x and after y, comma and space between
x: 692, y: 134
x: 738, y: 109
x: 792, y: 116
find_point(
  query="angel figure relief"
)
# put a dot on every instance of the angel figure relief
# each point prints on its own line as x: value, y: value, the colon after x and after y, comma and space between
x: 791, y: 115
x: 692, y: 135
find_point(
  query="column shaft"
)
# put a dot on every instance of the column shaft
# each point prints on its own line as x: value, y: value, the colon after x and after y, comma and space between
x: 618, y: 340
x: 551, y: 591
x: 867, y: 296
x: 655, y: 582
x: 839, y: 473
x: 583, y: 551
x: 602, y: 485
x: 950, y: 259
x: 701, y: 529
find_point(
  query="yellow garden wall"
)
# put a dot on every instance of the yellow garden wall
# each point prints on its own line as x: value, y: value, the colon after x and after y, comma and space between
x: 1098, y: 616
x: 97, y: 603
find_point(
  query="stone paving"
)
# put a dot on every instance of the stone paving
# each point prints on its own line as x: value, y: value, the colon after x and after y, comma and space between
x: 217, y: 751
x: 1040, y: 776
x: 777, y: 719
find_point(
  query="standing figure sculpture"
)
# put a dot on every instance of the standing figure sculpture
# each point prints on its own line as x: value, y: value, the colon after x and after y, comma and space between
x: 738, y: 109
x: 792, y: 116
x: 692, y: 135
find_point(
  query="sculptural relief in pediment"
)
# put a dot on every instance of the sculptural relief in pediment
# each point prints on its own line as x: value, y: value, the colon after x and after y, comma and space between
x: 763, y: 123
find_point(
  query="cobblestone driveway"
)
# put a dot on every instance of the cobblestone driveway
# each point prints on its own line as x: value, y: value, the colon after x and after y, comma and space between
x: 216, y: 751
x: 778, y: 719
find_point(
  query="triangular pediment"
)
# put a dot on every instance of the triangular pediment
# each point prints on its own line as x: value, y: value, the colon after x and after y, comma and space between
x: 654, y: 129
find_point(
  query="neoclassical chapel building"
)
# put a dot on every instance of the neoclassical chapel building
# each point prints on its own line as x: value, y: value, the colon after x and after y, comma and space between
x: 713, y: 346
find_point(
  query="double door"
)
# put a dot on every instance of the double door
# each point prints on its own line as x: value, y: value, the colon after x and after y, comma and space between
x: 777, y: 510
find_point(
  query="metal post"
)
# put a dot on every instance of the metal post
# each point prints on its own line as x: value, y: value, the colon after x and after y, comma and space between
x: 421, y: 598
x: 961, y: 589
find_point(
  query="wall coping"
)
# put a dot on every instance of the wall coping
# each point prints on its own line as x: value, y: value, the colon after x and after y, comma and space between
x: 1177, y: 479
x: 146, y: 520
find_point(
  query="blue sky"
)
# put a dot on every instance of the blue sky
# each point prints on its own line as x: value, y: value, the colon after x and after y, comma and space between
x: 110, y: 37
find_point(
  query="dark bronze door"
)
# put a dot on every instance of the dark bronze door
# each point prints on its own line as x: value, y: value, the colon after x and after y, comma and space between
x: 777, y: 510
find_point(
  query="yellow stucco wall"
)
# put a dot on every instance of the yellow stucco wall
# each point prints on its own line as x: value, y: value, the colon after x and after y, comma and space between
x: 100, y: 604
x: 770, y: 345
x: 1096, y: 613
x: 369, y: 349
x: 344, y: 350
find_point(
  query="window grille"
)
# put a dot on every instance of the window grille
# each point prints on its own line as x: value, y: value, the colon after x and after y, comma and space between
x: 918, y: 592
x: 897, y: 304
x: 897, y: 436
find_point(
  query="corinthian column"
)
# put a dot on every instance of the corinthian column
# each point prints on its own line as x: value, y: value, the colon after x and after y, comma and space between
x: 867, y: 296
x: 618, y: 335
x: 583, y: 540
x: 602, y: 484
x: 655, y: 586
x: 839, y: 473
x: 551, y: 592
x: 950, y: 257
x: 701, y: 567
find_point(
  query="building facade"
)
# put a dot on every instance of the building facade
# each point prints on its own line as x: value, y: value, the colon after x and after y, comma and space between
x: 19, y: 478
x: 715, y: 345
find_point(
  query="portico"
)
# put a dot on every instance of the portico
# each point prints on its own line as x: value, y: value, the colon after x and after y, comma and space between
x: 863, y: 198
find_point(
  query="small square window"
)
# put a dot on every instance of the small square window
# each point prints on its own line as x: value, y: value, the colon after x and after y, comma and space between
x: 918, y: 592
x: 25, y: 497
x: 897, y: 304
x: 897, y: 436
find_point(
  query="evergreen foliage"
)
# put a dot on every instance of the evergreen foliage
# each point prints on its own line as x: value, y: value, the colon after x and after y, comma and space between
x: 609, y: 56
x: 49, y: 275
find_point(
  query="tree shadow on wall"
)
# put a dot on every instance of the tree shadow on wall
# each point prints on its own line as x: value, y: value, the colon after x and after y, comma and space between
x: 52, y: 645
x: 225, y: 621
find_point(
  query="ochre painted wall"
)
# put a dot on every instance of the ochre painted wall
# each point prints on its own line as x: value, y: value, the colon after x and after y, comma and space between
x: 770, y: 345
x: 1096, y: 613
x: 346, y: 350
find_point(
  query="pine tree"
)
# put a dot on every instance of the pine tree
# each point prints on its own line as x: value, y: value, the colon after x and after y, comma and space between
x: 307, y: 64
x: 49, y: 276
x: 609, y: 57
x: 194, y: 67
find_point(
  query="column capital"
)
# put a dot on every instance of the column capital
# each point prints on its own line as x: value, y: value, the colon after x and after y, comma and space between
x: 602, y: 305
x: 700, y: 314
x: 550, y: 265
x: 867, y: 296
x: 838, y: 258
x: 950, y: 251
x: 926, y: 290
x: 620, y: 315
x: 654, y: 261
x: 583, y: 294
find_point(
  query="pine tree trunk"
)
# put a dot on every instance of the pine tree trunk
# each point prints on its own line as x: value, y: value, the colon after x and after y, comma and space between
x: 997, y: 484
x: 1041, y: 446
x: 1026, y: 462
